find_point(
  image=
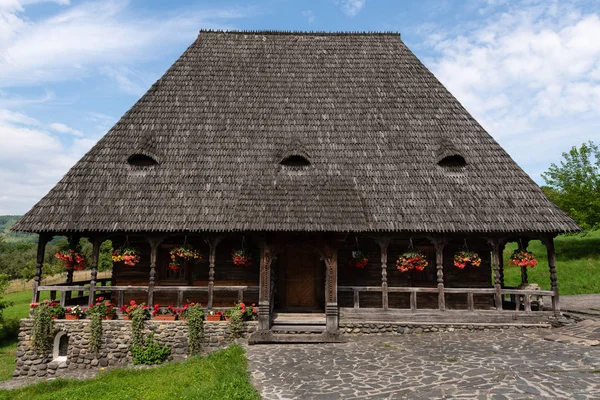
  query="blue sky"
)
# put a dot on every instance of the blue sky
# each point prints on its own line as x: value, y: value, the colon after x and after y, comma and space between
x: 528, y: 71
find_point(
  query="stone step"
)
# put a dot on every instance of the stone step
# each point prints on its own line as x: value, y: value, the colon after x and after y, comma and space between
x: 298, y: 328
x: 270, y: 337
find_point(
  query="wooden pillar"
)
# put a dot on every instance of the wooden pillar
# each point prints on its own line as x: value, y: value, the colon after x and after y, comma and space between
x: 264, y: 295
x: 439, y: 244
x: 501, y: 261
x: 495, y: 245
x: 331, y: 307
x: 212, y: 256
x: 39, y: 263
x: 383, y: 244
x: 65, y: 296
x: 524, y: 278
x: 154, y: 243
x: 96, y: 243
x: 549, y: 243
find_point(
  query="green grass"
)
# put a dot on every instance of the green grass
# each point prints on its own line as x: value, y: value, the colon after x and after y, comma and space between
x: 578, y: 264
x: 221, y: 375
x: 7, y: 360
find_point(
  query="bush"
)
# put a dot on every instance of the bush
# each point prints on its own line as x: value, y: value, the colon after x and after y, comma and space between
x: 42, y: 327
x: 194, y: 315
x: 151, y: 352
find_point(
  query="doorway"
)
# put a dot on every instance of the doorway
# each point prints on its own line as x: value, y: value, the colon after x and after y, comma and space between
x: 300, y: 281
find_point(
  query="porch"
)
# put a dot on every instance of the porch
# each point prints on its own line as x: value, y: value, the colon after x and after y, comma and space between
x: 304, y: 274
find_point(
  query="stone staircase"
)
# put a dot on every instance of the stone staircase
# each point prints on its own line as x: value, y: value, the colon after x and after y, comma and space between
x: 296, y: 328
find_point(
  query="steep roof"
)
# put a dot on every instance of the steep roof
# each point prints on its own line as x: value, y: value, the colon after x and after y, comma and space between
x: 370, y: 119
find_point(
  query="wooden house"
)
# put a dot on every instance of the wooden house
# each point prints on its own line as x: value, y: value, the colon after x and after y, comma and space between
x: 303, y: 149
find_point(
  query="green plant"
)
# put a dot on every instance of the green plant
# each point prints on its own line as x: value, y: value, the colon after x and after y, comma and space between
x: 57, y: 310
x: 43, y: 327
x: 95, y: 332
x: 236, y: 324
x: 103, y: 307
x: 151, y: 352
x: 138, y: 315
x: 194, y: 316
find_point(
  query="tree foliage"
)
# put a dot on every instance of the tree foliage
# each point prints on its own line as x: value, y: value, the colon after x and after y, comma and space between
x: 574, y: 185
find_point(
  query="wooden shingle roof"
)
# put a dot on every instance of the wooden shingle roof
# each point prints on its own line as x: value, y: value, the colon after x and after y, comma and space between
x: 370, y: 118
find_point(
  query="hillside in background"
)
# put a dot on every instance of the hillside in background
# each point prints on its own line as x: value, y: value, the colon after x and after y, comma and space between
x: 6, y: 221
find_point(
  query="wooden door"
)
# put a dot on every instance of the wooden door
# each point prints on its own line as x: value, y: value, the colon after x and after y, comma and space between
x: 301, y: 278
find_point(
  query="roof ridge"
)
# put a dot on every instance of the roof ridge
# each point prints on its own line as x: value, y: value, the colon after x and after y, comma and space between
x: 306, y: 33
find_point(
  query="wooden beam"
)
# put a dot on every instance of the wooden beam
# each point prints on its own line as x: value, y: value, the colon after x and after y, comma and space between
x: 39, y: 263
x: 549, y: 243
x: 154, y: 243
x: 96, y: 243
x: 383, y: 244
x: 439, y: 244
x: 413, y: 301
x: 495, y: 245
x: 264, y: 294
x: 212, y: 243
x: 331, y: 307
x: 356, y: 298
x: 470, y: 302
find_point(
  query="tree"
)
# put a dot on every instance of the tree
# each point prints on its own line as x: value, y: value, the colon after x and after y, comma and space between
x: 574, y: 185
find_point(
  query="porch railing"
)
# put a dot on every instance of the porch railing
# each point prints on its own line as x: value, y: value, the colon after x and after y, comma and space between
x: 66, y: 291
x: 515, y: 295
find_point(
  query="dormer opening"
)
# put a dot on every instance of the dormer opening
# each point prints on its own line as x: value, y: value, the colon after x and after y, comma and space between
x: 295, y: 161
x: 141, y: 160
x: 453, y: 161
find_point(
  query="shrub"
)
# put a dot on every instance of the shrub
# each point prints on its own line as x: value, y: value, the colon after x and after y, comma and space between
x: 138, y: 315
x: 151, y: 352
x: 43, y: 327
x: 194, y: 315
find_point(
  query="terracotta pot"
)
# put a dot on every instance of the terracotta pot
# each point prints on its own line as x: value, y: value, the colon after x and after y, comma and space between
x: 227, y: 319
x: 54, y: 317
x: 126, y: 317
x: 71, y: 317
x: 164, y: 317
x: 107, y: 317
x: 213, y: 318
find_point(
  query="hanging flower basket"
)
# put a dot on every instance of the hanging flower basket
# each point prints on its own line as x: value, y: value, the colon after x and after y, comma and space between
x: 71, y: 259
x: 128, y: 255
x: 410, y: 260
x: 523, y: 258
x: 241, y: 257
x: 465, y: 257
x: 182, y: 254
x: 359, y: 259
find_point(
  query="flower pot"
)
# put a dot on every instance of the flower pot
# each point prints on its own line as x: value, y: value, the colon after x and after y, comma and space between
x: 227, y: 319
x: 213, y: 318
x: 71, y: 317
x: 54, y: 317
x: 164, y: 317
x: 107, y: 317
x: 126, y: 317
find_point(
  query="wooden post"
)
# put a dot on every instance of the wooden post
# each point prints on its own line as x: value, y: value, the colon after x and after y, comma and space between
x: 264, y: 296
x: 549, y: 243
x: 523, y: 243
x: 383, y: 244
x: 39, y: 263
x: 212, y: 243
x: 439, y: 244
x: 331, y: 308
x: 495, y: 244
x: 470, y: 302
x: 501, y: 254
x: 66, y: 296
x: 154, y: 243
x: 413, y: 301
x: 96, y: 243
x: 356, y: 298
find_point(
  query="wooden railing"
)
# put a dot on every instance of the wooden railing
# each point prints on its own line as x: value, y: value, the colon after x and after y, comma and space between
x: 515, y: 294
x: 81, y: 287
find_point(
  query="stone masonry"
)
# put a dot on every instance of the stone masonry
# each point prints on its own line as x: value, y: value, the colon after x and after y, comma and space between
x: 116, y: 341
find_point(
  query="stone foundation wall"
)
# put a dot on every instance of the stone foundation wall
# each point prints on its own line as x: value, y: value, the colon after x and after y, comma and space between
x: 116, y: 340
x: 367, y: 328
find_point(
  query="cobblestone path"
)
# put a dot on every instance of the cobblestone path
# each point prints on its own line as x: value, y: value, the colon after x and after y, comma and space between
x: 490, y: 364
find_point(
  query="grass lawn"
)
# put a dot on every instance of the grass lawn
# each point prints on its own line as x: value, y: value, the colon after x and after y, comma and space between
x: 578, y: 264
x: 221, y: 375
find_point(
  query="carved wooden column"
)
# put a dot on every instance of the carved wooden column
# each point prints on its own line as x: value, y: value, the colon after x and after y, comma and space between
x: 501, y: 260
x: 439, y: 244
x: 384, y: 243
x: 331, y: 307
x: 495, y: 245
x: 524, y: 278
x: 96, y: 243
x: 212, y: 256
x: 154, y: 243
x: 264, y: 295
x: 39, y: 263
x: 549, y: 243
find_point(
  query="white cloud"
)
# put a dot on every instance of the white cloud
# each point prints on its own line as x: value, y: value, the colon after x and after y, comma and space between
x: 62, y: 128
x: 66, y: 45
x: 310, y: 16
x: 350, y: 7
x: 33, y: 159
x: 525, y: 72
